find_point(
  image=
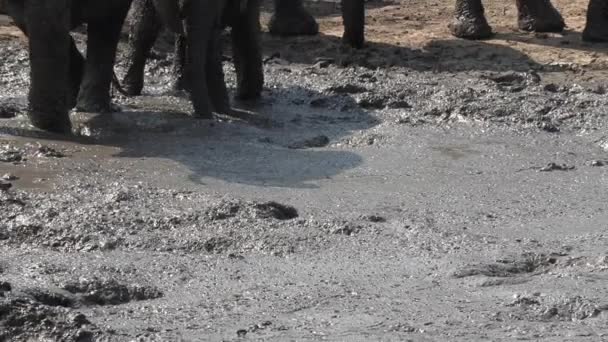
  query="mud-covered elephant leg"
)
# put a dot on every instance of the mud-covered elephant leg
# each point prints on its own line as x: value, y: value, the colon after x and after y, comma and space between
x: 353, y: 15
x: 76, y: 68
x: 469, y: 21
x: 144, y: 29
x: 218, y: 91
x: 246, y: 47
x: 47, y: 25
x: 539, y: 16
x: 596, y: 29
x: 201, y: 21
x: 181, y: 79
x: 103, y: 36
x: 290, y: 18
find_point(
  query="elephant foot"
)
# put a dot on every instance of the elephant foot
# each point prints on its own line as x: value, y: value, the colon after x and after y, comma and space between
x: 293, y: 22
x: 354, y: 39
x: 596, y: 34
x: 202, y: 115
x: 51, y: 123
x: 132, y: 85
x: 97, y: 107
x: 539, y: 16
x: 249, y: 93
x: 469, y: 27
x: 597, y: 22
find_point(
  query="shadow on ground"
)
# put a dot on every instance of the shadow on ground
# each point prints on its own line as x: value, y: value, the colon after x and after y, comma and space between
x: 283, y: 145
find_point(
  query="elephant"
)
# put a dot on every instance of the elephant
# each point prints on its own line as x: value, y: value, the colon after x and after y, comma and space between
x: 533, y: 15
x: 198, y: 52
x: 60, y: 78
x: 145, y: 27
x: 290, y: 18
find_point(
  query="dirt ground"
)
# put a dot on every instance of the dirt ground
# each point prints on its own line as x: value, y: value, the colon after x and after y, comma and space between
x: 422, y: 189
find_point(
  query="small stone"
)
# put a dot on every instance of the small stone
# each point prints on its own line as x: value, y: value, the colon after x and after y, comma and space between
x: 9, y: 177
x: 322, y: 63
x: 241, y: 332
x: 49, y: 152
x: 4, y: 186
x: 375, y: 218
x: 318, y: 141
x: 556, y: 167
x: 5, y: 286
x: 597, y: 163
x: 10, y: 156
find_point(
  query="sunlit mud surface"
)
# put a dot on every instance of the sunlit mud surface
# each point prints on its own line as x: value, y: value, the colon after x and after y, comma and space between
x: 422, y: 189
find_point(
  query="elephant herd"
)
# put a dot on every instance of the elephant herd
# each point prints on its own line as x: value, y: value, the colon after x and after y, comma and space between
x: 61, y: 78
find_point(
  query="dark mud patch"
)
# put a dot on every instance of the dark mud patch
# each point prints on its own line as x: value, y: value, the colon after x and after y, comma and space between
x: 547, y: 308
x: 110, y: 292
x: 24, y: 319
x: 266, y: 210
x: 527, y: 264
x: 50, y: 298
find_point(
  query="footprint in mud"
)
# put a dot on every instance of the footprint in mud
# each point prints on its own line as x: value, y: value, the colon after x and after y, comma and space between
x: 25, y: 319
x: 527, y: 265
x: 110, y: 292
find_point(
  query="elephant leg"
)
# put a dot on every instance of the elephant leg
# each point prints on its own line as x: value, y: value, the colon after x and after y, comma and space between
x: 353, y: 16
x: 76, y: 73
x: 539, y: 16
x: 290, y: 18
x: 201, y: 20
x: 469, y: 21
x: 103, y: 36
x: 144, y: 30
x: 215, y: 75
x: 49, y: 44
x: 596, y: 29
x: 247, y: 52
x: 180, y: 65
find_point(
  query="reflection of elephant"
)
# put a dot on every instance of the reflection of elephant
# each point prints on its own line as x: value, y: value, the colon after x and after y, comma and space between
x: 290, y: 18
x: 533, y: 15
x: 60, y: 77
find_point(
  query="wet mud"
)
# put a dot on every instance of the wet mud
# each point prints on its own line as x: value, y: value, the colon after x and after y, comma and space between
x: 424, y: 188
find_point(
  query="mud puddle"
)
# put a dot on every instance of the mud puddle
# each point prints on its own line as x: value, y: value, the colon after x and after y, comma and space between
x: 424, y: 188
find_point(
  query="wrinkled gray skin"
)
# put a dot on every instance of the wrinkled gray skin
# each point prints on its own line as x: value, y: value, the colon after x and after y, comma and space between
x: 290, y: 18
x: 60, y: 77
x: 203, y: 77
x: 533, y: 15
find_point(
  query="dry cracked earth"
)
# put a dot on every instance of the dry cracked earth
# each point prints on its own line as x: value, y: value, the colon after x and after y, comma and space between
x: 422, y: 189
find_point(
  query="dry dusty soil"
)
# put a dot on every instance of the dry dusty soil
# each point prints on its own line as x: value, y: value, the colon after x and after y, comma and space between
x: 422, y: 189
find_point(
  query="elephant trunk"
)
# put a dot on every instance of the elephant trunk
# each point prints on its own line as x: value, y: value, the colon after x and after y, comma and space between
x: 170, y: 13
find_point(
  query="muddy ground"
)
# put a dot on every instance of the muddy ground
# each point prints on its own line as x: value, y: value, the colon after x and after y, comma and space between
x: 423, y: 189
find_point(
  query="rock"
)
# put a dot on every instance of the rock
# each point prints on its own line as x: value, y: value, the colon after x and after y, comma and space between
x: 4, y: 186
x: 5, y: 286
x: 556, y: 167
x: 10, y: 156
x: 9, y: 177
x: 241, y: 332
x: 45, y: 151
x: 8, y: 111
